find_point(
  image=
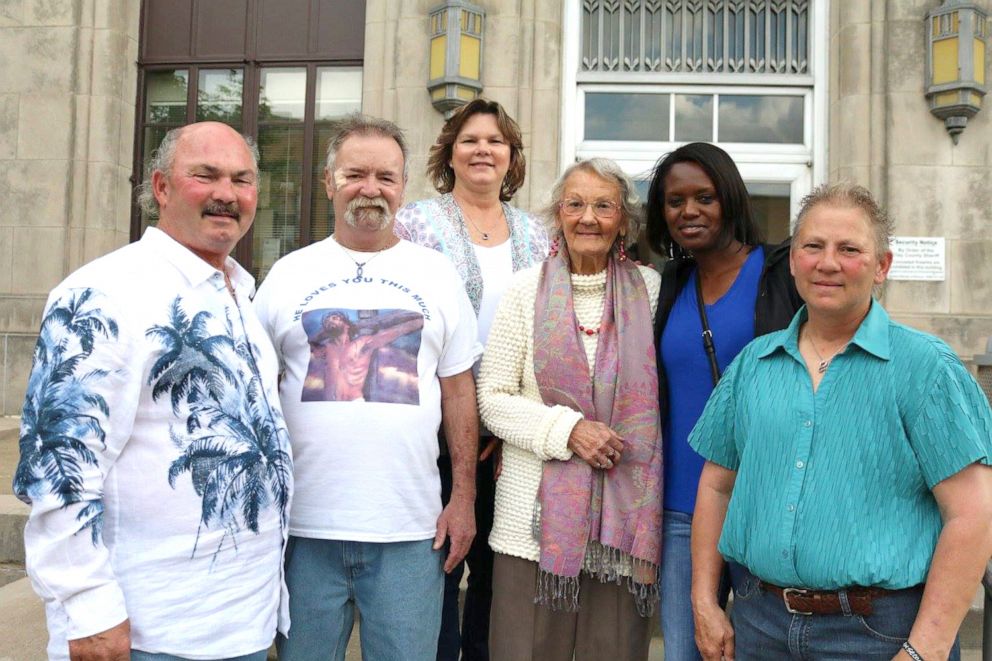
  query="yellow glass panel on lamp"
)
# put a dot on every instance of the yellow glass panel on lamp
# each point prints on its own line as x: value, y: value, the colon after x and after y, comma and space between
x: 464, y: 93
x: 979, y: 61
x: 437, y: 94
x: 954, y: 22
x: 975, y: 99
x: 438, y: 56
x: 945, y: 61
x: 469, y: 65
x: 945, y: 99
x: 935, y: 24
x: 465, y: 18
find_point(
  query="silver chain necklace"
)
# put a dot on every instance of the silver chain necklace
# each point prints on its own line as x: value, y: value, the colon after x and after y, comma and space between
x: 359, y: 266
x: 824, y: 363
x: 484, y: 235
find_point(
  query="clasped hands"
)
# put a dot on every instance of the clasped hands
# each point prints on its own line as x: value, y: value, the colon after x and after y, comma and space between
x: 596, y: 444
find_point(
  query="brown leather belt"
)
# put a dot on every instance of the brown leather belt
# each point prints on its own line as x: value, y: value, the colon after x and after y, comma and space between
x: 822, y: 602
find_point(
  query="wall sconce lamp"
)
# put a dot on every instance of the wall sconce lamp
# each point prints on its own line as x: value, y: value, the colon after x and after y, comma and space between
x: 957, y: 34
x: 456, y: 54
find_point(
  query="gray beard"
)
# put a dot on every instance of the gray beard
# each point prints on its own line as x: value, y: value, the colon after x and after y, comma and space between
x: 374, y: 218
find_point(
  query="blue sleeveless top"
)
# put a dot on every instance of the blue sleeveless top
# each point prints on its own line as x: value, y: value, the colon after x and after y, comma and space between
x: 687, y: 367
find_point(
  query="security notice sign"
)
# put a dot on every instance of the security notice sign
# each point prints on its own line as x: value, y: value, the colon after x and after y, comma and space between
x: 918, y: 258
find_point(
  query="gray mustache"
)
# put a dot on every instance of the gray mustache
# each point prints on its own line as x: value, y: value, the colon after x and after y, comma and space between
x: 369, y: 203
x: 222, y: 209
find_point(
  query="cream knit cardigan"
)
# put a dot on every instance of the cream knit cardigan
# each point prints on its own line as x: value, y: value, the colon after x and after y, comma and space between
x: 510, y: 402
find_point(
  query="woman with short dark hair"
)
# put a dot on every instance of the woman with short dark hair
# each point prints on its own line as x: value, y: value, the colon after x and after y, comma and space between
x: 720, y: 278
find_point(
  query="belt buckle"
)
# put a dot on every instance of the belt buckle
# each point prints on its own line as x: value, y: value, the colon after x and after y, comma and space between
x: 785, y: 598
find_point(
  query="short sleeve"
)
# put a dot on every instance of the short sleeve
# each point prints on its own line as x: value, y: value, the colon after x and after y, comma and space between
x: 462, y: 347
x: 715, y: 434
x: 953, y: 427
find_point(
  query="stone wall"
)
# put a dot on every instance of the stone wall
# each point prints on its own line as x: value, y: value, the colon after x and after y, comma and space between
x: 67, y: 91
x: 882, y: 135
x: 521, y: 69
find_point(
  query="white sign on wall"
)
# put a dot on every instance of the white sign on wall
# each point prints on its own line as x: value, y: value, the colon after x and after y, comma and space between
x: 918, y: 258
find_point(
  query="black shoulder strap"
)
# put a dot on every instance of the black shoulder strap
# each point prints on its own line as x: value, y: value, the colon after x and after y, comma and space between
x: 707, y: 333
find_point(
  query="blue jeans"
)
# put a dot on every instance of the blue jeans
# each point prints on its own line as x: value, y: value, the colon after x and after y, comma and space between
x: 765, y: 630
x: 138, y: 655
x: 396, y: 587
x: 677, y: 628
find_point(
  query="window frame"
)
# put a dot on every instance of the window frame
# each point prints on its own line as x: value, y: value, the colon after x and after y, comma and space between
x: 802, y: 168
x: 251, y: 83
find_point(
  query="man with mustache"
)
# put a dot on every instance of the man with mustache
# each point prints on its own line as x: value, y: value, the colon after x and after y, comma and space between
x: 153, y: 391
x: 367, y: 527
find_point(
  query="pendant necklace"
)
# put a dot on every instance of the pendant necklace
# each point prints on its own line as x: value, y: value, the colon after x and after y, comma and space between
x: 822, y: 367
x: 484, y: 235
x: 359, y: 266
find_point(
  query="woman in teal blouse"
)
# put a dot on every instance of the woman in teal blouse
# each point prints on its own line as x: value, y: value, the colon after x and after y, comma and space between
x: 847, y: 475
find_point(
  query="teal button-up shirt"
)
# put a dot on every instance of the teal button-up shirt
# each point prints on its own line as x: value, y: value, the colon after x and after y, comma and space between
x: 833, y: 487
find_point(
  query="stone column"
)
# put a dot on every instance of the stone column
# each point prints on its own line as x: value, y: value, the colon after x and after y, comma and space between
x: 67, y: 90
x: 882, y: 135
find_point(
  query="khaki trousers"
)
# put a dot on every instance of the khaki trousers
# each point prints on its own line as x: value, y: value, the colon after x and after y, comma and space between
x: 605, y: 628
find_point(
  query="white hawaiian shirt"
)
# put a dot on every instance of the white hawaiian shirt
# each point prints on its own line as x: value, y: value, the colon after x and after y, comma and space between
x: 155, y: 457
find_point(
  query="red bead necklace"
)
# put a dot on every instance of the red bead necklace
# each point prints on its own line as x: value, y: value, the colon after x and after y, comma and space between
x: 588, y: 331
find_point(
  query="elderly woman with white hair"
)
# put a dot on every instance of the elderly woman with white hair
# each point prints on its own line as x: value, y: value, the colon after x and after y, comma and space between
x: 569, y: 382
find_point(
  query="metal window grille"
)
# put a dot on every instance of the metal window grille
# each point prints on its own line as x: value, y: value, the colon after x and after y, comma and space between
x: 696, y: 36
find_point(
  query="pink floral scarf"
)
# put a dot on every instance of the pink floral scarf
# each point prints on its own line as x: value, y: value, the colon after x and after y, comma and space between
x: 614, y: 513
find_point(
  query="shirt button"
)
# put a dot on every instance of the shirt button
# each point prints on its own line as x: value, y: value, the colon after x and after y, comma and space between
x: 800, y: 464
x: 791, y: 508
x: 808, y: 423
x: 785, y: 554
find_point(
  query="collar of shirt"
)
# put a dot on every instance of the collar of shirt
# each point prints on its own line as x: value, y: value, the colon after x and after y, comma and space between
x: 872, y: 335
x: 195, y: 270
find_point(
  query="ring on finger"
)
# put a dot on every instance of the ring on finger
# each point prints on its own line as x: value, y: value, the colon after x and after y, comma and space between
x: 612, y: 453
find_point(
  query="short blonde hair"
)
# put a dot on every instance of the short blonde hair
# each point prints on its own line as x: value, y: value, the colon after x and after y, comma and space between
x: 845, y: 194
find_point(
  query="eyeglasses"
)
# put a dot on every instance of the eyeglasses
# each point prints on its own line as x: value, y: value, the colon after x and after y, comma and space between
x: 603, y: 209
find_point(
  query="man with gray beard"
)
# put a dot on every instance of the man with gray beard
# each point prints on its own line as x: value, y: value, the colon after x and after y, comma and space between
x: 376, y: 339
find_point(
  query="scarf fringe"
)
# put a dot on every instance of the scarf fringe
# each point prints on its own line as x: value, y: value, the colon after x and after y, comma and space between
x: 605, y: 564
x: 559, y: 593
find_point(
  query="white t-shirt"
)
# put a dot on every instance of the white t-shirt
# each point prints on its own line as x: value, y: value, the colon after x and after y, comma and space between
x: 496, y: 265
x: 361, y: 357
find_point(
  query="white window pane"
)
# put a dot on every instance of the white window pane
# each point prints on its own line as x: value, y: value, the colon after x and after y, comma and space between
x: 693, y: 117
x: 165, y: 96
x: 626, y: 116
x: 339, y: 92
x: 282, y: 94
x: 753, y: 118
x: 770, y: 203
x: 218, y: 96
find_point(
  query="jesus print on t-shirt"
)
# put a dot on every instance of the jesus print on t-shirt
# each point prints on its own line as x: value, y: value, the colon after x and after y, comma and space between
x: 362, y: 355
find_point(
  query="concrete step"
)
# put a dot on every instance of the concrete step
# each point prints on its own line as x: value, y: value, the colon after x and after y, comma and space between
x: 13, y: 516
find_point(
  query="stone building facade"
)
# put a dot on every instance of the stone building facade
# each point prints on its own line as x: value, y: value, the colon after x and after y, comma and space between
x: 71, y: 94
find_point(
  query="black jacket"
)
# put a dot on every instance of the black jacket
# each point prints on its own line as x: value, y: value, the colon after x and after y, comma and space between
x: 777, y: 301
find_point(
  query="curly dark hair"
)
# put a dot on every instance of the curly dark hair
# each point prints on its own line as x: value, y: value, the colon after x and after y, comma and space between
x: 438, y: 169
x: 735, y: 203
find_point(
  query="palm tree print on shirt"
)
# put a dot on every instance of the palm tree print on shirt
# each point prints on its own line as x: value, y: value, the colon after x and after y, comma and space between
x: 233, y: 444
x: 63, y: 415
